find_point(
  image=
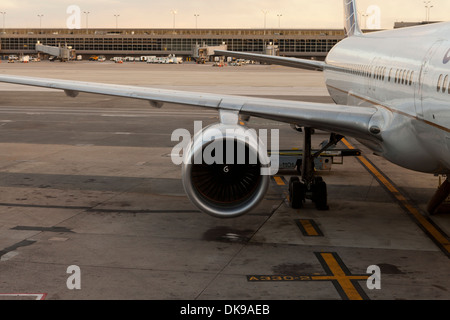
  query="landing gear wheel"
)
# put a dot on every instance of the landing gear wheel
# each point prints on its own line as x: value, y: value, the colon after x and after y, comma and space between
x: 319, y: 194
x: 291, y: 181
x: 297, y: 191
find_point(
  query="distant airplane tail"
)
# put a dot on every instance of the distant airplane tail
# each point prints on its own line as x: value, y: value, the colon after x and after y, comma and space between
x: 351, y: 23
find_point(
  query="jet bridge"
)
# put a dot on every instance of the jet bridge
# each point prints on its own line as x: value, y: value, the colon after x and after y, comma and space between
x: 64, y: 53
x: 203, y: 53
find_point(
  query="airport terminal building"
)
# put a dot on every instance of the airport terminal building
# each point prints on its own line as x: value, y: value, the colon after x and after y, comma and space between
x: 306, y: 43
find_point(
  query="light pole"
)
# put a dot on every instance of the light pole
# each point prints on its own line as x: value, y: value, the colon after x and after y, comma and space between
x: 196, y: 18
x: 174, y: 13
x: 265, y: 12
x: 428, y: 7
x: 40, y: 20
x: 117, y: 20
x: 3, y: 14
x: 279, y: 20
x: 365, y: 16
x: 87, y: 20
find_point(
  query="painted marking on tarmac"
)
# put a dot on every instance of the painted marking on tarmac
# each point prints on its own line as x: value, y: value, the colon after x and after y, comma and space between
x: 8, y: 256
x: 280, y: 181
x: 7, y: 251
x: 419, y: 217
x: 309, y: 228
x: 346, y: 283
x: 36, y: 296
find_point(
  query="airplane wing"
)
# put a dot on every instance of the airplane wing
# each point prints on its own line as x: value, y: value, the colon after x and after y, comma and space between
x: 283, y: 61
x: 345, y: 120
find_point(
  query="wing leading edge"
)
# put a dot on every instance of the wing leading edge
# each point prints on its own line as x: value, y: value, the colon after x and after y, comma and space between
x: 346, y: 120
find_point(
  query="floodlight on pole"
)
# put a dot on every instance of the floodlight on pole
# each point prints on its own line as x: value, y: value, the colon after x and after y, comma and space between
x: 40, y: 20
x: 3, y: 14
x: 428, y: 7
x: 265, y: 12
x: 365, y: 16
x: 117, y: 20
x: 174, y: 13
x: 279, y: 20
x: 87, y: 18
x: 196, y: 18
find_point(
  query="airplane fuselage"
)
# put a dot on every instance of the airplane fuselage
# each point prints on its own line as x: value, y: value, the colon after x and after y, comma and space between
x: 406, y: 73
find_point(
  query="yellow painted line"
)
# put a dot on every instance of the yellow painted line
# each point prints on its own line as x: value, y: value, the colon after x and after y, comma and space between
x: 338, y: 274
x: 347, y: 144
x: 279, y: 181
x: 346, y: 283
x: 308, y: 227
x: 432, y: 231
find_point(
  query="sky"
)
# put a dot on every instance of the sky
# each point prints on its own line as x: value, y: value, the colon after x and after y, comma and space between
x: 212, y: 13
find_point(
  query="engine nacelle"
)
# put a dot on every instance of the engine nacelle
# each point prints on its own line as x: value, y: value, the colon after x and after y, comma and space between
x: 224, y: 170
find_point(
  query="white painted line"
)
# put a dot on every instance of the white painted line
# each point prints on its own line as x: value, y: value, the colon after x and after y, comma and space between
x: 58, y: 239
x: 8, y: 256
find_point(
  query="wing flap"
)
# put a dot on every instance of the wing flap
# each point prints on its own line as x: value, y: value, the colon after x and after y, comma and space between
x: 345, y: 120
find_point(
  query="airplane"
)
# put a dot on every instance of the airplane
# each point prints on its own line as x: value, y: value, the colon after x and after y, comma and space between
x: 391, y: 91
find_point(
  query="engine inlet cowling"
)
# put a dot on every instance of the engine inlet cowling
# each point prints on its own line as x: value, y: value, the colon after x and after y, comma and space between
x: 222, y: 171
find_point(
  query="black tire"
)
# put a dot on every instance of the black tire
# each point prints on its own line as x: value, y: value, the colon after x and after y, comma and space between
x: 291, y: 181
x: 318, y: 179
x: 320, y: 196
x: 297, y: 195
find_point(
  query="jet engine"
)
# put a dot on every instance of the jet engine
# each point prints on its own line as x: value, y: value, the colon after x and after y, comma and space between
x: 224, y: 170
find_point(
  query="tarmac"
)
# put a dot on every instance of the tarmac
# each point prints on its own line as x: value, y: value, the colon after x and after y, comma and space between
x: 89, y: 182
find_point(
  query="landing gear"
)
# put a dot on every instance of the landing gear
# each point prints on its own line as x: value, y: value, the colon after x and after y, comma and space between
x: 310, y: 187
